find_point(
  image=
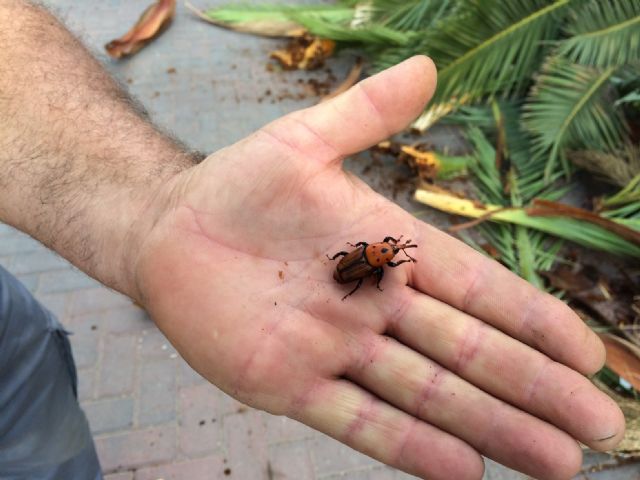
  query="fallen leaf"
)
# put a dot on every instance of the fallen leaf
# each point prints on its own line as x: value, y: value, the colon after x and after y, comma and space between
x: 547, y: 208
x: 264, y: 27
x: 153, y: 21
x: 623, y: 357
x: 304, y: 53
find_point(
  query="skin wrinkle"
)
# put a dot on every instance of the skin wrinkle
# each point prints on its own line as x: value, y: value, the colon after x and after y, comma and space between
x: 470, y: 293
x: 530, y: 392
x: 427, y: 391
x: 398, y: 455
x: 401, y: 306
x: 336, y: 154
x: 525, y: 329
x: 468, y: 349
x: 365, y: 414
x: 362, y: 87
x: 298, y: 403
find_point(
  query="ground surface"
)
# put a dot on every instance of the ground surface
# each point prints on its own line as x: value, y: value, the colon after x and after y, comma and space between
x: 152, y: 416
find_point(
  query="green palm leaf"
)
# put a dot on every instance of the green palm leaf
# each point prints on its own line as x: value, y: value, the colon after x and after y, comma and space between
x: 489, y: 46
x: 604, y: 33
x: 571, y: 106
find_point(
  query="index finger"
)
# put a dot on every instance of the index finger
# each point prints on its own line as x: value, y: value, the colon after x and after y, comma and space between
x: 460, y: 276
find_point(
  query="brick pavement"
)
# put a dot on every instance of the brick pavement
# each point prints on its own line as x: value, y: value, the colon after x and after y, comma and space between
x: 152, y: 416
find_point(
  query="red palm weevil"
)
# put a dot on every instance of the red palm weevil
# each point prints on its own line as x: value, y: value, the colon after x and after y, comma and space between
x: 367, y: 260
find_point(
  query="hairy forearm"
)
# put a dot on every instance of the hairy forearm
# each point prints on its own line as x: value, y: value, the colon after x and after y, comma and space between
x: 78, y: 163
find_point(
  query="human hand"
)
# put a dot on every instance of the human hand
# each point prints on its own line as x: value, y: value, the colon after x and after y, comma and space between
x: 457, y: 357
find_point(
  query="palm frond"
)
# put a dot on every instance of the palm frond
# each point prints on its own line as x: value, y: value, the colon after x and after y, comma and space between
x: 603, y: 34
x: 489, y: 47
x: 571, y: 106
x: 411, y: 15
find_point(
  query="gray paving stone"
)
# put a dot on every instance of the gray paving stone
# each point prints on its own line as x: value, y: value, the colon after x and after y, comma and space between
x: 56, y: 303
x: 86, y: 384
x: 6, y: 230
x: 207, y: 468
x: 157, y: 394
x: 135, y: 449
x: 109, y: 415
x: 118, y: 365
x: 66, y: 280
x: 291, y: 461
x: 246, y: 445
x: 96, y: 300
x: 37, y: 261
x: 199, y: 422
x: 19, y: 243
x: 128, y: 319
x: 153, y: 344
x: 332, y: 457
x: 31, y: 281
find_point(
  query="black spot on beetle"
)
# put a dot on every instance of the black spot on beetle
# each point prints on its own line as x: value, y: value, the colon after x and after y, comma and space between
x: 385, y: 250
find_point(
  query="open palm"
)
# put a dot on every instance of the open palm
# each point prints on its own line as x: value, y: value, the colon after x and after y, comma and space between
x: 457, y: 357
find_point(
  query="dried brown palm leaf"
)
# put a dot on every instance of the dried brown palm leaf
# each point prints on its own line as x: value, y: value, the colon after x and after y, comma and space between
x: 615, y: 168
x: 153, y: 21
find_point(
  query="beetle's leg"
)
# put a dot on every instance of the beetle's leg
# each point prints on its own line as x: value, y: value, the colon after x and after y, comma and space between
x: 395, y: 264
x: 410, y: 257
x: 359, y: 244
x: 387, y: 239
x: 380, y: 274
x: 354, y: 290
x: 339, y: 254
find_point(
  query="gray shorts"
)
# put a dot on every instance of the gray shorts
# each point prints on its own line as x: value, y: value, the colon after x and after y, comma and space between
x: 44, y: 434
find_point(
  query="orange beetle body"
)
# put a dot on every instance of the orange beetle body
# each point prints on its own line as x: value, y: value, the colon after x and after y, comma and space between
x: 367, y: 260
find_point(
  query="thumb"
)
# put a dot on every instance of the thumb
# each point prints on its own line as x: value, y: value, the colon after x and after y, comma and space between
x: 369, y: 112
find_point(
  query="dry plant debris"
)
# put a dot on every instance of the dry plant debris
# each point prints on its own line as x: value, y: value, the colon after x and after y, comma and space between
x: 304, y: 52
x: 153, y: 21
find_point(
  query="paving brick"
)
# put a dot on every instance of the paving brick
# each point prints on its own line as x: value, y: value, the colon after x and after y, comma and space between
x: 495, y: 471
x: 332, y: 457
x: 95, y: 300
x: 38, y: 261
x: 85, y: 349
x: 187, y: 376
x: 19, y: 243
x: 31, y: 281
x: 281, y: 429
x: 208, y: 468
x: 199, y: 426
x: 56, y: 303
x: 5, y: 261
x: 65, y: 281
x: 120, y: 476
x: 291, y: 461
x: 6, y: 230
x: 118, y: 365
x: 153, y: 344
x: 86, y: 383
x: 136, y: 449
x: 129, y: 319
x: 229, y: 405
x: 89, y: 324
x: 109, y: 415
x: 246, y: 445
x: 157, y: 392
x: 376, y: 473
